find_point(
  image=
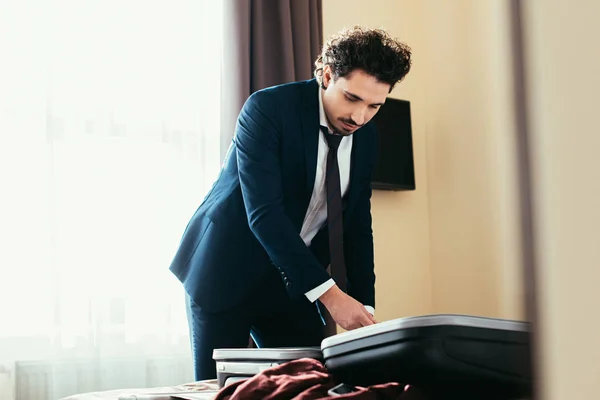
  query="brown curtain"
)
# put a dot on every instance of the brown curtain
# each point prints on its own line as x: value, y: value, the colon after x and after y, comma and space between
x: 266, y: 43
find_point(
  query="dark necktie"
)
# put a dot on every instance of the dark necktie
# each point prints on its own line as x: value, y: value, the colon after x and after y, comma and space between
x: 334, y: 211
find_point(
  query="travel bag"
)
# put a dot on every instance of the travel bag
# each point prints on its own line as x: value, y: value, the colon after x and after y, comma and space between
x: 444, y: 355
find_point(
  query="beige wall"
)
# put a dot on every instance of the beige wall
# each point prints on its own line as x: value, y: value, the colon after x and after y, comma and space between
x: 564, y: 82
x: 470, y: 158
x: 451, y: 245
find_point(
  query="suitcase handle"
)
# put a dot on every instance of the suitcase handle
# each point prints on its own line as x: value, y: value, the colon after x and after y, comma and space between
x: 243, y: 368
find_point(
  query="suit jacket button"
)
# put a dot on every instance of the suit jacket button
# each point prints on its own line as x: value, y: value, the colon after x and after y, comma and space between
x: 288, y: 284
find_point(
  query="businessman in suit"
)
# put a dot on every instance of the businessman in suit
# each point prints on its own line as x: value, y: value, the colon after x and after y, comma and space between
x: 292, y: 200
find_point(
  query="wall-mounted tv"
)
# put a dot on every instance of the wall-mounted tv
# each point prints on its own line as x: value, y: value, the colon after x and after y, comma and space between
x: 394, y: 169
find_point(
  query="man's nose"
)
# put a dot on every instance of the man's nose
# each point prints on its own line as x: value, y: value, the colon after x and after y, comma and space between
x: 359, y: 116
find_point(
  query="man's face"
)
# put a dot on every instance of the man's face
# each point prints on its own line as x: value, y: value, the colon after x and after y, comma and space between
x: 351, y: 101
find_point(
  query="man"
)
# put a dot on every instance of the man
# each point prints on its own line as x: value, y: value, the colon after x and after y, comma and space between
x: 293, y: 197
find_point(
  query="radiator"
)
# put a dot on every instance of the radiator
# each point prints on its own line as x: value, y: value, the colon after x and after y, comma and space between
x: 52, y: 380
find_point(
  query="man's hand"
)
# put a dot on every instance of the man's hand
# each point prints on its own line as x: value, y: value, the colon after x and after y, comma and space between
x: 345, y: 311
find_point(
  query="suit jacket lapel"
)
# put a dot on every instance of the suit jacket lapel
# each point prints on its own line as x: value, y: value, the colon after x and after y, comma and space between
x: 310, y: 134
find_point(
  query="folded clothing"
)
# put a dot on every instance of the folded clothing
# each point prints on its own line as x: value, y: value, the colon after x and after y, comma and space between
x: 308, y: 379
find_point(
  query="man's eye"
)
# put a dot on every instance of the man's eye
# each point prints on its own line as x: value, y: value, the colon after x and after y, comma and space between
x: 350, y: 99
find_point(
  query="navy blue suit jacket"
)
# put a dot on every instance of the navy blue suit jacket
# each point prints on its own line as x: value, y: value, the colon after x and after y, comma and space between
x: 250, y: 221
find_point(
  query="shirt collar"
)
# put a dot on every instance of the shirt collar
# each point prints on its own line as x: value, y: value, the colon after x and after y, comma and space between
x: 322, y: 116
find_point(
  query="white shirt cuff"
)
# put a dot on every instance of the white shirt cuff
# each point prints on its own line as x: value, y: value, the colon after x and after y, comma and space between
x: 314, y: 294
x: 317, y: 292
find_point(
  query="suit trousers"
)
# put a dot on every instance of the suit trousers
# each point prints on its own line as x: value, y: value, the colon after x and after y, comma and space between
x: 269, y: 316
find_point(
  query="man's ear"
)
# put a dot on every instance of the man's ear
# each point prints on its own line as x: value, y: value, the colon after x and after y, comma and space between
x: 327, y: 77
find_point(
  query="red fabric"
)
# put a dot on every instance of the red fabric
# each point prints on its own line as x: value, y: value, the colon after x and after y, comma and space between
x: 307, y: 379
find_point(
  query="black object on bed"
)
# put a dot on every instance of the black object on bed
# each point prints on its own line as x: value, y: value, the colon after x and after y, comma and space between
x: 444, y: 355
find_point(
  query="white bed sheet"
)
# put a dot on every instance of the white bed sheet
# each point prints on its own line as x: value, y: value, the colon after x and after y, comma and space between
x: 202, y: 390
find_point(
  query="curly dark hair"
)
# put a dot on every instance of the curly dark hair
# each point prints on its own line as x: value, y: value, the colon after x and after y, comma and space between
x: 371, y: 50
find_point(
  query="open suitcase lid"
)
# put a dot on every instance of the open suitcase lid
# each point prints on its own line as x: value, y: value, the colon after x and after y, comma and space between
x: 426, y: 321
x: 267, y: 354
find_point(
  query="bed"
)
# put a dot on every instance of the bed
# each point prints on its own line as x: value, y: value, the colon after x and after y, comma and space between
x: 202, y: 390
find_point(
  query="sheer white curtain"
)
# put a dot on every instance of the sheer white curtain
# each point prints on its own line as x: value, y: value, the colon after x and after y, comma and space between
x: 109, y: 140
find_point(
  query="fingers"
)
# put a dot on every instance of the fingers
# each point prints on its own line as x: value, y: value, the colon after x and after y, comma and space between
x: 359, y: 321
x: 369, y: 316
x: 372, y: 318
x: 366, y: 319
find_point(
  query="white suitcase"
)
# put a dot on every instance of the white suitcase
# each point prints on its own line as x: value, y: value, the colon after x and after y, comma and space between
x: 236, y: 364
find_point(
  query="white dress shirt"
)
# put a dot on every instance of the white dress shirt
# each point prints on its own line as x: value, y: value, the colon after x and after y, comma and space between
x: 316, y: 214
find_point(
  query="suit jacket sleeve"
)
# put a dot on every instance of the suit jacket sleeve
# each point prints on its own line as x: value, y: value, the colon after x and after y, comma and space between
x: 258, y: 139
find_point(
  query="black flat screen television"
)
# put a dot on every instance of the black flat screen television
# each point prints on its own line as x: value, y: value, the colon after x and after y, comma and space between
x: 394, y: 169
